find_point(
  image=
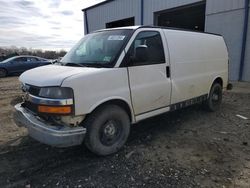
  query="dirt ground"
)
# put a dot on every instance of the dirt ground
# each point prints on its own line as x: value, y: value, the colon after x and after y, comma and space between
x: 186, y: 148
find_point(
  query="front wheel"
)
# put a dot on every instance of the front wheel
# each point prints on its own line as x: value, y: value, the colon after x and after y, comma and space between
x: 215, y: 98
x: 107, y: 130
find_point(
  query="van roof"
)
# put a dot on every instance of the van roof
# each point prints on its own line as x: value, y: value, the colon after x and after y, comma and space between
x: 160, y: 27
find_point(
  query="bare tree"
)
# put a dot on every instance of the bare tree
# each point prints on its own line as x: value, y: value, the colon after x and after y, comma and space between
x: 7, y: 52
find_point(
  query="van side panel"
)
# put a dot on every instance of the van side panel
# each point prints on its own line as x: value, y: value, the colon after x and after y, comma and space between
x: 196, y: 59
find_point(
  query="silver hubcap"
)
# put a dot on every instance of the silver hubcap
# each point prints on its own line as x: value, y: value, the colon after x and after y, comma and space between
x: 215, y: 97
x: 110, y: 129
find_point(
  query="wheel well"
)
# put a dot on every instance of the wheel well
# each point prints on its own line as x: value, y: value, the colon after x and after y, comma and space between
x: 119, y: 103
x: 4, y: 69
x: 219, y: 81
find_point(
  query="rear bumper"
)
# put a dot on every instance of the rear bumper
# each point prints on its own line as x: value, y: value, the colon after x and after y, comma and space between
x: 58, y: 136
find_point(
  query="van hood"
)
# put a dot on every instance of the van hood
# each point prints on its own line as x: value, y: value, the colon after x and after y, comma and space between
x: 52, y: 75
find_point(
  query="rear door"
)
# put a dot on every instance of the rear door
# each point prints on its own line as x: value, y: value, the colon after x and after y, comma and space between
x: 31, y: 62
x: 18, y: 64
x: 149, y: 77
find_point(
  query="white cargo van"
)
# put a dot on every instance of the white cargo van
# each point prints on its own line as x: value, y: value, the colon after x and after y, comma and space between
x: 114, y: 78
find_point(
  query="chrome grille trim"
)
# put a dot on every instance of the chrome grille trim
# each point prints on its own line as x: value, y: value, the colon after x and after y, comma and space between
x: 47, y: 101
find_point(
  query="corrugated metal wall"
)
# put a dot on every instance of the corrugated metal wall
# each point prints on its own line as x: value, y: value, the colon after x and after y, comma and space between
x: 246, y: 72
x: 224, y: 17
x: 151, y: 6
x: 120, y: 9
x: 216, y: 6
x: 112, y: 11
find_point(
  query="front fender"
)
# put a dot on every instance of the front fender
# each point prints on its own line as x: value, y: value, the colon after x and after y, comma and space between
x: 98, y: 86
x: 111, y: 99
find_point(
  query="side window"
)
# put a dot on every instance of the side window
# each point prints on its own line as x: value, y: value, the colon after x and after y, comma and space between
x: 40, y: 59
x: 20, y: 59
x: 16, y: 60
x: 31, y: 59
x: 147, y: 49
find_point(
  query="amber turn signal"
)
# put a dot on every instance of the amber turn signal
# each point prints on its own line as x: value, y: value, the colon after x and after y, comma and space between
x: 55, y: 109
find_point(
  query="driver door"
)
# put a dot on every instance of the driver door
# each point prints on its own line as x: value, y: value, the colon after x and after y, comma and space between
x: 149, y: 74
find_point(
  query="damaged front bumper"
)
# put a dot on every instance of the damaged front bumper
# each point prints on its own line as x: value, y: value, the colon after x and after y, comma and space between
x: 58, y: 136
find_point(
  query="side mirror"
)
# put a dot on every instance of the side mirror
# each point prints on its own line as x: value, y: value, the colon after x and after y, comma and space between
x: 141, y: 53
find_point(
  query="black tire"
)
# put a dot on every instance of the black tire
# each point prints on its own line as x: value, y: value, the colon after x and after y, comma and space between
x: 215, y: 98
x: 3, y: 73
x: 107, y: 130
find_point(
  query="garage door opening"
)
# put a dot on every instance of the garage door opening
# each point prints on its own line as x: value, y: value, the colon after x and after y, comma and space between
x: 121, y: 23
x: 190, y: 17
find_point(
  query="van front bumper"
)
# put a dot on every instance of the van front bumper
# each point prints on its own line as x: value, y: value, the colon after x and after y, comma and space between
x: 58, y: 136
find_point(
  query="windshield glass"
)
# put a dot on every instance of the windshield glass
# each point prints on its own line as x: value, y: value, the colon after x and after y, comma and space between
x: 98, y: 49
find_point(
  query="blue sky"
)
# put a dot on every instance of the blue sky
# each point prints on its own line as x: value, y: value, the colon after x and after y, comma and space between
x: 43, y: 24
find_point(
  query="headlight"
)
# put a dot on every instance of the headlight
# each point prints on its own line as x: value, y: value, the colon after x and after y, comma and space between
x: 56, y: 92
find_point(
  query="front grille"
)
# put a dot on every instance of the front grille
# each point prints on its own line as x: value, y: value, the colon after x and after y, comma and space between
x: 32, y: 90
x: 30, y: 106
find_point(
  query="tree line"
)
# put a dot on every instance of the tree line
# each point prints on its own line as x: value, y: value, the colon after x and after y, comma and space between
x: 7, y: 52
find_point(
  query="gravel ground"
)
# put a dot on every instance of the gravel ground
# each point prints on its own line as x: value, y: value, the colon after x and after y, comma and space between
x: 186, y: 148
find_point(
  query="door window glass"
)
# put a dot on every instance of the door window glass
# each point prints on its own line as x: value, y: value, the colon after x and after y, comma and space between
x: 147, y: 49
x: 31, y: 59
x: 20, y: 59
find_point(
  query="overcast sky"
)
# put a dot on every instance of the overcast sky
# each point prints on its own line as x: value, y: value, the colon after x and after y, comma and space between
x: 44, y: 24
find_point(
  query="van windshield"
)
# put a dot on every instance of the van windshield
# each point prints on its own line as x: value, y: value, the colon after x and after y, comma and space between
x: 100, y: 49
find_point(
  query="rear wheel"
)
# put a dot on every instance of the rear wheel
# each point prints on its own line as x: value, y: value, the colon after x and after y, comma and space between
x: 215, y: 98
x: 3, y: 73
x: 107, y: 130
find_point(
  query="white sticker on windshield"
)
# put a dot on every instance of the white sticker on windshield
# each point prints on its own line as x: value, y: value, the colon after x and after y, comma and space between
x: 107, y: 58
x: 116, y: 37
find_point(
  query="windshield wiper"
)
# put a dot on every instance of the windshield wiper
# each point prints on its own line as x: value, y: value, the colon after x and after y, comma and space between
x: 96, y: 64
x: 88, y: 64
x: 74, y: 64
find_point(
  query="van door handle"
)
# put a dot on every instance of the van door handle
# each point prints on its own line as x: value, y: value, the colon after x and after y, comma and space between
x: 168, y: 71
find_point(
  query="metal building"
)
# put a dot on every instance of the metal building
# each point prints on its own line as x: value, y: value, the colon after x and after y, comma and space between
x: 229, y: 18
